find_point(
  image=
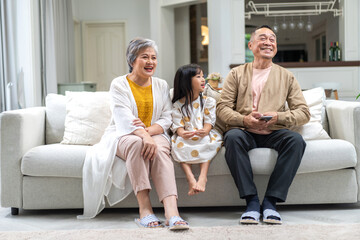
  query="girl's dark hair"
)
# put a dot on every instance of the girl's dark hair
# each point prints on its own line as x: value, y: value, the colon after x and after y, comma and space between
x: 182, y: 86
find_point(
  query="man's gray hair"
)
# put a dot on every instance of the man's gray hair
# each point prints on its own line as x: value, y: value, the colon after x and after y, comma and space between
x: 134, y: 48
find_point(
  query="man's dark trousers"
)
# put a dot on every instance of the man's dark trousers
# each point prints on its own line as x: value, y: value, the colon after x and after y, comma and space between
x: 290, y: 147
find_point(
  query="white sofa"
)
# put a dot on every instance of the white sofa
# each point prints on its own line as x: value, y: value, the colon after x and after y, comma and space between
x: 37, y: 172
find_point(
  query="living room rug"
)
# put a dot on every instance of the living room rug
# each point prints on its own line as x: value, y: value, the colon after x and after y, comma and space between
x: 288, y: 232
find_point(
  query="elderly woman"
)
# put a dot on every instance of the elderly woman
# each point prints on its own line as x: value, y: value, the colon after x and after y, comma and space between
x: 135, y: 146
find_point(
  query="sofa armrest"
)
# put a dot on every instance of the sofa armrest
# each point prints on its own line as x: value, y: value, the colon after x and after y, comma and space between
x: 20, y: 130
x: 344, y: 123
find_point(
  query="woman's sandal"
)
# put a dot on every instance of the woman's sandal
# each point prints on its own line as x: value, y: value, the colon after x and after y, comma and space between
x: 251, y: 217
x: 147, y: 220
x: 271, y: 217
x: 173, y: 224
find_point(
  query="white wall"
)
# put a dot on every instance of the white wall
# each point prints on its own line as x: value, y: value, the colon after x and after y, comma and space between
x: 226, y: 34
x: 135, y: 12
x: 158, y: 20
x: 182, y: 36
x: 349, y: 30
x: 162, y: 24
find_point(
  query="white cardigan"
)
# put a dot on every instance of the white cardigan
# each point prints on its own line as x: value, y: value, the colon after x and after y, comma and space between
x: 105, y: 174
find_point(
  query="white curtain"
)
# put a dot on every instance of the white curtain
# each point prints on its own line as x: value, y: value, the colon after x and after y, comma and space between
x: 21, y: 77
x: 58, y: 58
x: 8, y: 63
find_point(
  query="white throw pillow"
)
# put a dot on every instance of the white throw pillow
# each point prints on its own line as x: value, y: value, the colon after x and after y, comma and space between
x: 315, y: 99
x: 55, y: 117
x: 211, y: 92
x: 87, y: 116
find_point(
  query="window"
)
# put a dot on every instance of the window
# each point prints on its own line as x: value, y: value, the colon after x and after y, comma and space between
x: 320, y: 47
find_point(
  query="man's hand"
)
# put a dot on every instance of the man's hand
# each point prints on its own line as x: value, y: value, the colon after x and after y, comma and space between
x: 273, y: 120
x: 252, y: 121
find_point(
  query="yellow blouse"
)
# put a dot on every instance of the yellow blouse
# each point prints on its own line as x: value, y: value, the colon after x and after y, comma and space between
x: 144, y: 101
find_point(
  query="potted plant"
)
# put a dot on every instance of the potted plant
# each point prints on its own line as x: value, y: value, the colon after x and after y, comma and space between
x: 214, y: 79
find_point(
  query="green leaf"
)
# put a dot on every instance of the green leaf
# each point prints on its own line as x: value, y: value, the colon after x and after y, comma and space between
x: 358, y: 96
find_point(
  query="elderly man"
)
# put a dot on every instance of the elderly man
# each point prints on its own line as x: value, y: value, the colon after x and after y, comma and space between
x: 251, y: 113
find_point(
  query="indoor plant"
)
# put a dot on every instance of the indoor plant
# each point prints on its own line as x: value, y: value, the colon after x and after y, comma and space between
x: 214, y: 79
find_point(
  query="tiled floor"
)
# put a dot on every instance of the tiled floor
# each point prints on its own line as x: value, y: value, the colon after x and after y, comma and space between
x: 124, y: 218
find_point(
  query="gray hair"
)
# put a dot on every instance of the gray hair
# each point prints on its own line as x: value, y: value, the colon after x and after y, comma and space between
x: 134, y: 48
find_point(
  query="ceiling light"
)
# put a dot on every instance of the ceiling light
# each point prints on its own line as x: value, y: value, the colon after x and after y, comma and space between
x: 275, y: 27
x: 300, y: 24
x: 309, y: 25
x: 283, y: 25
x: 292, y: 24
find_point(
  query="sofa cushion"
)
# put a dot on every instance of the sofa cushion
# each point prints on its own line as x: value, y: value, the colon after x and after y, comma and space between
x: 59, y: 160
x: 327, y: 155
x: 87, y: 116
x: 55, y: 118
x: 319, y: 156
x: 54, y: 160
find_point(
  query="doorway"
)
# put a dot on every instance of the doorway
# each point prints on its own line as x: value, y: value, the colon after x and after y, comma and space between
x: 104, y: 52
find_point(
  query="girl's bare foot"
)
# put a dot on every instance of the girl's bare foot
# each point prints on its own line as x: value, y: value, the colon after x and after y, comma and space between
x: 192, y: 187
x: 201, y: 184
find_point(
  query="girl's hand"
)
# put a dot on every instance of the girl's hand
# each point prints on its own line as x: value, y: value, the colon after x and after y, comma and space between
x: 138, y: 123
x: 202, y: 132
x: 205, y: 131
x: 185, y: 134
x: 149, y: 150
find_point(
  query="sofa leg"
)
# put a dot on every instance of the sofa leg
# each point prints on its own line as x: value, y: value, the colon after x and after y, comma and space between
x: 14, y: 211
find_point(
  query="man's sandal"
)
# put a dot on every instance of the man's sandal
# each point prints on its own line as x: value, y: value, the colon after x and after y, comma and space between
x: 147, y: 220
x: 271, y: 217
x: 251, y: 217
x: 173, y: 224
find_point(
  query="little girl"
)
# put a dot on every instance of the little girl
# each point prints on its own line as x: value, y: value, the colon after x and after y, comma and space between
x: 194, y: 140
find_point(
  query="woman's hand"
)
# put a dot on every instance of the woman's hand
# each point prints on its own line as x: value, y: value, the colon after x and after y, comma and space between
x: 149, y: 150
x: 138, y: 123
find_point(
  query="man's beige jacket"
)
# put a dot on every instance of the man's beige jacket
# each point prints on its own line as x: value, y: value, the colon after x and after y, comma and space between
x: 281, y: 87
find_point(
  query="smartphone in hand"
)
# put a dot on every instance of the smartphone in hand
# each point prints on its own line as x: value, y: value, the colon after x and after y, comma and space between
x: 265, y: 118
